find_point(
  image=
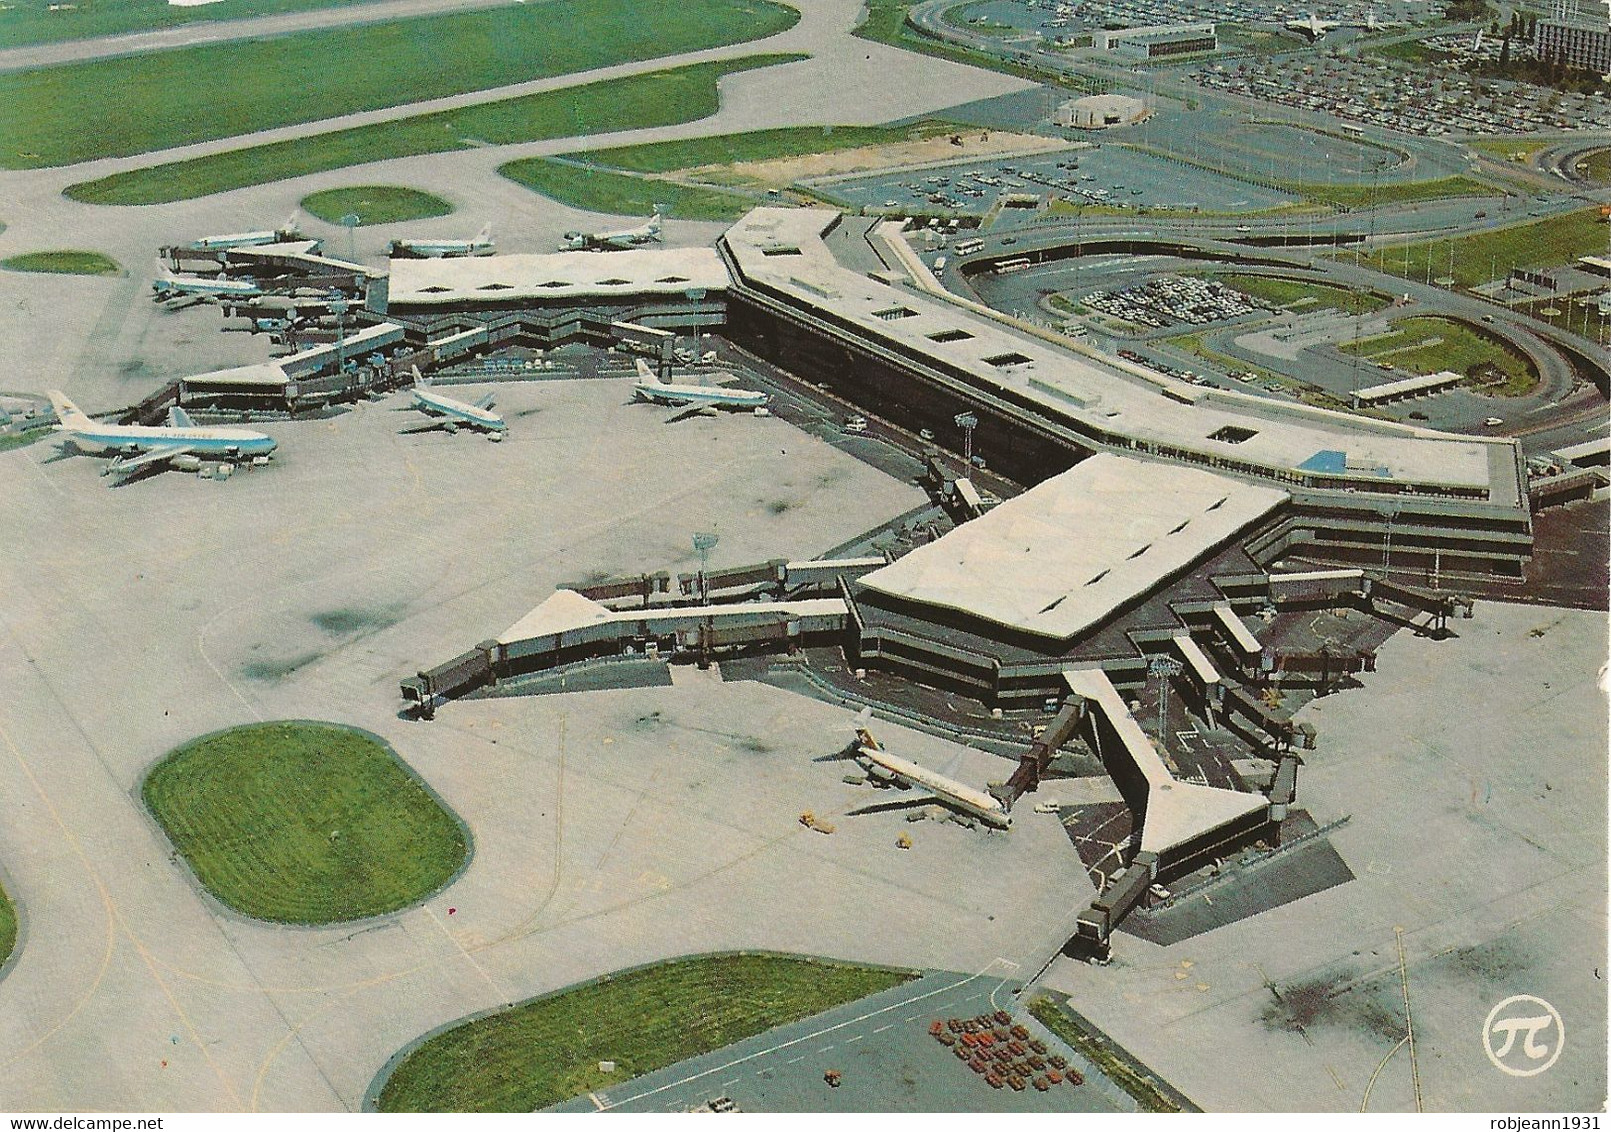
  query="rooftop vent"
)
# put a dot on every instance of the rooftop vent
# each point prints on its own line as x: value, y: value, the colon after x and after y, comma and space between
x: 613, y: 282
x: 890, y: 314
x: 1233, y: 434
x: 777, y: 251
x: 950, y: 336
x: 1010, y: 358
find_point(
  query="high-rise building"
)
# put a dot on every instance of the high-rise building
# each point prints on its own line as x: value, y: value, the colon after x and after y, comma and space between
x: 1576, y: 33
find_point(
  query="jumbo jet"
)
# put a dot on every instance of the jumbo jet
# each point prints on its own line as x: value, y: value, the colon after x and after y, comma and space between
x: 480, y: 244
x: 281, y: 235
x: 614, y: 241
x: 452, y: 414
x: 168, y: 285
x: 181, y: 443
x: 694, y: 398
x: 1312, y: 27
x: 892, y: 770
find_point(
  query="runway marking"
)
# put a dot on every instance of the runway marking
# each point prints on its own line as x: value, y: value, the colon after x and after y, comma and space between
x: 468, y: 958
x: 792, y: 1060
x: 881, y: 1029
x: 597, y: 1103
x: 115, y: 915
x: 857, y: 1038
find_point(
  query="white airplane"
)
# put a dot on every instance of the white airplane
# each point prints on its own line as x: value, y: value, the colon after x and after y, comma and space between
x: 454, y: 413
x: 613, y: 241
x: 180, y: 443
x: 168, y: 285
x: 1312, y: 27
x: 881, y: 766
x: 693, y: 398
x: 282, y: 235
x: 479, y: 244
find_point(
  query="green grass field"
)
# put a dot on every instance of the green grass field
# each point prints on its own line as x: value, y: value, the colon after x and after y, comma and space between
x: 8, y: 927
x: 1301, y: 295
x: 1431, y: 344
x: 305, y: 823
x: 61, y: 115
x: 23, y: 438
x: 375, y: 204
x: 1597, y: 167
x: 599, y: 190
x: 756, y: 145
x: 63, y: 263
x: 1551, y: 242
x: 547, y: 1050
x: 659, y: 98
x: 1118, y: 1069
x: 1396, y: 192
x: 24, y: 22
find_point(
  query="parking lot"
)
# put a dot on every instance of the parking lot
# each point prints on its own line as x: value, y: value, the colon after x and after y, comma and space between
x: 1175, y: 300
x: 1108, y: 175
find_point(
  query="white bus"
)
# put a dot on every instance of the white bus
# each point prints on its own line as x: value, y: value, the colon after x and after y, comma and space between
x: 968, y: 247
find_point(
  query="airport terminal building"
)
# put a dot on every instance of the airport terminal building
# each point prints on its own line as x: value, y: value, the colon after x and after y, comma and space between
x: 1357, y: 488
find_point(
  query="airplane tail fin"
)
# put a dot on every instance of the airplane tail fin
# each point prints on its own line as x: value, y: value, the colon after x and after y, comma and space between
x: 647, y: 374
x: 654, y: 221
x: 68, y: 413
x: 485, y: 235
x: 290, y: 221
x: 420, y: 380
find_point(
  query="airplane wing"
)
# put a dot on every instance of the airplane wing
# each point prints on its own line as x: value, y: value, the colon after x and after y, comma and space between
x: 486, y: 402
x: 128, y: 465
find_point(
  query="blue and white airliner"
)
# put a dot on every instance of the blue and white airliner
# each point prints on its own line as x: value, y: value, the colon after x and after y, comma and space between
x: 181, y: 443
x: 451, y: 414
x: 284, y: 234
x: 694, y: 398
x: 170, y: 286
x: 479, y: 244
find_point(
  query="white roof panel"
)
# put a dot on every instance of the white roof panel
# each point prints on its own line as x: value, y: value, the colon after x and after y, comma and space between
x: 1058, y: 559
x: 667, y: 271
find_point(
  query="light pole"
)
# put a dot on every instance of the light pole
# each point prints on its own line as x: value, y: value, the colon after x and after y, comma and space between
x: 338, y: 307
x: 695, y: 294
x: 704, y: 543
x: 967, y: 422
x: 1388, y: 511
x: 1164, y: 668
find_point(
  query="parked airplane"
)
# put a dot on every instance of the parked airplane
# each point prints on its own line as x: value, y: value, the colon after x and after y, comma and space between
x: 281, y: 235
x: 885, y: 768
x: 454, y: 413
x: 1311, y: 26
x: 613, y: 241
x: 168, y: 285
x: 480, y: 244
x: 181, y: 443
x: 694, y: 398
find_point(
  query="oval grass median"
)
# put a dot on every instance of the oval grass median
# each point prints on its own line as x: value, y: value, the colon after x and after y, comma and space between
x: 304, y: 823
x: 375, y: 204
x: 8, y: 927
x: 63, y: 263
x: 548, y: 1049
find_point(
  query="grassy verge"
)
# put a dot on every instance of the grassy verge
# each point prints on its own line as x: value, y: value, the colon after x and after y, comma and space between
x: 1551, y: 242
x: 375, y: 204
x: 886, y: 23
x: 659, y: 98
x: 1431, y: 344
x: 756, y: 145
x: 303, y: 823
x: 63, y: 263
x: 1117, y: 1067
x: 24, y: 437
x: 1407, y: 51
x: 599, y: 190
x: 8, y: 927
x: 27, y: 22
x: 1597, y: 167
x: 1308, y: 394
x: 1302, y: 296
x: 1405, y: 192
x: 547, y: 1050
x: 61, y: 115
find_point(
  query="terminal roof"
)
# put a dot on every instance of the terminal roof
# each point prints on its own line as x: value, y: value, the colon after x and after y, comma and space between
x: 668, y: 271
x: 1062, y: 557
x: 783, y: 249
